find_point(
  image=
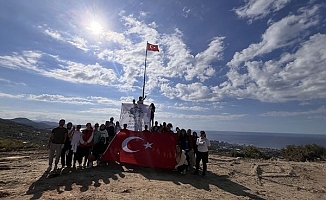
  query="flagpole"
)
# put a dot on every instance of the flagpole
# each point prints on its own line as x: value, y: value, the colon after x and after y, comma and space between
x: 145, y: 72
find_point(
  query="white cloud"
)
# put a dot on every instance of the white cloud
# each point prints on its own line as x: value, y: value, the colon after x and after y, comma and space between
x: 321, y: 110
x: 187, y: 92
x: 186, y: 11
x: 54, y: 34
x: 11, y: 82
x: 76, y: 117
x: 173, y: 61
x: 143, y: 31
x: 143, y: 14
x: 298, y: 76
x: 79, y: 42
x: 257, y: 9
x: 59, y: 99
x: 105, y: 101
x: 11, y: 96
x: 207, y: 118
x: 27, y: 60
x: 66, y: 37
x: 187, y: 108
x: 180, y: 62
x: 81, y: 73
x: 5, y: 80
x: 283, y: 33
x: 105, y: 112
x: 77, y: 72
x: 120, y: 38
x: 180, y: 74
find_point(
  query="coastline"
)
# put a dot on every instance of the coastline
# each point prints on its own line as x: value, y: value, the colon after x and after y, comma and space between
x: 267, y: 140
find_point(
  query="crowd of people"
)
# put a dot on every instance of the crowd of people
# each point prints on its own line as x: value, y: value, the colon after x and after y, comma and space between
x: 73, y: 146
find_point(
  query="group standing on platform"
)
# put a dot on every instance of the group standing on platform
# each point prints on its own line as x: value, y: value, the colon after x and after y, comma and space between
x: 75, y: 146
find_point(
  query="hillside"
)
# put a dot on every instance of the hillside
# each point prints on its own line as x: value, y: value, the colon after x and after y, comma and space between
x: 20, y: 132
x: 37, y: 125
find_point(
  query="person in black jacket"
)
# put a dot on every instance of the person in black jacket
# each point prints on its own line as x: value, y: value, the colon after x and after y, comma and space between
x: 66, y: 152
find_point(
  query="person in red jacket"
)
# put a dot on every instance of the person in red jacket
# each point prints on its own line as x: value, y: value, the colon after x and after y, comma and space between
x: 86, y: 143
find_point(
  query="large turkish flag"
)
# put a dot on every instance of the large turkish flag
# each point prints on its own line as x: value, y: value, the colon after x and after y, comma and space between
x: 150, y: 149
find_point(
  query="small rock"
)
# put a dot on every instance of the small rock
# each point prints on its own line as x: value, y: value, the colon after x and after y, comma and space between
x: 126, y: 191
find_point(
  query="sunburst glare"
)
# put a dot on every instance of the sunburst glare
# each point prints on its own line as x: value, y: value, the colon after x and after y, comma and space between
x: 96, y: 28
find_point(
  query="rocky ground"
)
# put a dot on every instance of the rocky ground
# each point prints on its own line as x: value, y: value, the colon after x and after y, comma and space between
x: 22, y: 177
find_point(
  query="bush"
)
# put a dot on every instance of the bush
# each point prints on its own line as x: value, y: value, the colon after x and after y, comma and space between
x: 309, y: 152
x: 235, y: 153
x: 253, y: 152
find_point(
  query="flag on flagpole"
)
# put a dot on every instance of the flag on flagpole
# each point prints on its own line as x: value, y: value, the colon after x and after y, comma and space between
x: 152, y: 47
x: 149, y: 149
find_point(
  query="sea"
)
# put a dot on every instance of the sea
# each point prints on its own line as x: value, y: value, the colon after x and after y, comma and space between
x: 267, y: 140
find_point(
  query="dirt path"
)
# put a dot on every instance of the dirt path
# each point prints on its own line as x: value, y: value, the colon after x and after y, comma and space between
x: 22, y: 177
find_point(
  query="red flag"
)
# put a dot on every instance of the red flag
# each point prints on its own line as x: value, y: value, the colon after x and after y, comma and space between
x: 152, y: 47
x: 149, y: 149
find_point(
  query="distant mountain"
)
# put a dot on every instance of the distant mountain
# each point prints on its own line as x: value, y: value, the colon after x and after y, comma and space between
x: 37, y: 125
x: 51, y: 124
x: 12, y: 130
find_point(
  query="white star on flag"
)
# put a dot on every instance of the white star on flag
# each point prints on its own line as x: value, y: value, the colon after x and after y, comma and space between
x: 148, y: 145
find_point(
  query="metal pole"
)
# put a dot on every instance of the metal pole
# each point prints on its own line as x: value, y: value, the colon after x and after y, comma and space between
x: 145, y: 72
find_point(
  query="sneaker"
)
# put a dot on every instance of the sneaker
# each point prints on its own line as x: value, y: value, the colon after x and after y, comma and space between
x: 184, y: 171
x: 49, y: 168
x: 204, y: 175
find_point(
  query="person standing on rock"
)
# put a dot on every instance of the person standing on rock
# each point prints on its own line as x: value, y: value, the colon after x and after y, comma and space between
x: 152, y: 108
x: 57, y: 140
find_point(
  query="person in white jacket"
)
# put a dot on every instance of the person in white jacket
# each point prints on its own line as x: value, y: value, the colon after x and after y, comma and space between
x: 180, y: 157
x: 75, y: 138
x: 202, y: 154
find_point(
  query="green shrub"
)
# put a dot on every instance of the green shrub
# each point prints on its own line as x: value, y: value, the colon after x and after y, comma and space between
x: 235, y: 153
x: 309, y: 152
x: 253, y: 152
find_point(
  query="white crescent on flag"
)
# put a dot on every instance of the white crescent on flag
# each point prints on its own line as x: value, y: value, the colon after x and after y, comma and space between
x: 124, y: 144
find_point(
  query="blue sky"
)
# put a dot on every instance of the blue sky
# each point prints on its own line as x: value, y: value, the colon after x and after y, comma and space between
x: 223, y: 65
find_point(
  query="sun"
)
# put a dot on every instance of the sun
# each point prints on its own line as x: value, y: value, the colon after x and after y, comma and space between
x: 96, y: 28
